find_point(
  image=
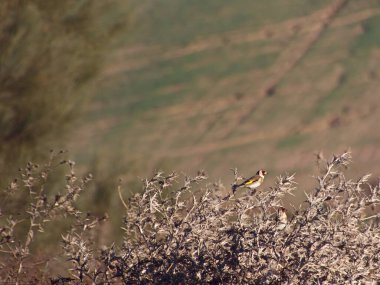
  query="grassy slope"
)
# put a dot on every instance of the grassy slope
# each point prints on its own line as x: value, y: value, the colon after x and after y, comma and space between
x: 183, y: 90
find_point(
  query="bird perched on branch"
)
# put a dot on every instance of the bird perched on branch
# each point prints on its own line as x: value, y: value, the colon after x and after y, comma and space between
x: 253, y: 182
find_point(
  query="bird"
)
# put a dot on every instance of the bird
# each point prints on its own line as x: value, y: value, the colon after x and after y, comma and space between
x: 253, y: 182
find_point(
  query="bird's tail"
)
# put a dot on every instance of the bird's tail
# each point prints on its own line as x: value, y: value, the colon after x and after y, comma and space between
x: 234, y: 188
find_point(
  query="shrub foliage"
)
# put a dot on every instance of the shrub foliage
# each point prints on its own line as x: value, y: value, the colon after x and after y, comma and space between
x: 193, y: 233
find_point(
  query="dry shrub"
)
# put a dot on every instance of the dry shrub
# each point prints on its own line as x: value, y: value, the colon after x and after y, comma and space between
x: 18, y: 232
x: 195, y: 234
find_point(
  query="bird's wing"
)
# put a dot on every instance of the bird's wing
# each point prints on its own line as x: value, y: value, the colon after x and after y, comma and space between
x: 251, y: 180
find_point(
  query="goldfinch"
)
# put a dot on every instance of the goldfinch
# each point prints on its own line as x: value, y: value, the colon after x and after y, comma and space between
x: 253, y: 182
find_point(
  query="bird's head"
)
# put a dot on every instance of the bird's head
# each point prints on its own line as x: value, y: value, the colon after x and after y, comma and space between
x: 262, y: 172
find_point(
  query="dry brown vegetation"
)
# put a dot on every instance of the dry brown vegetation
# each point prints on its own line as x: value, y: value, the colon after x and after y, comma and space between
x: 191, y: 232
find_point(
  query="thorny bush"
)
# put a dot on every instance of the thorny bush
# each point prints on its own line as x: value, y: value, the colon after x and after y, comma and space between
x: 196, y: 234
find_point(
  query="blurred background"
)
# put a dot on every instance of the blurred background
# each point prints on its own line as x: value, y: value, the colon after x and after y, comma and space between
x: 130, y: 87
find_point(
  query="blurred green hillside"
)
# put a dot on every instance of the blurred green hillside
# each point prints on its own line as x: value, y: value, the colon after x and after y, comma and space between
x: 247, y: 84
